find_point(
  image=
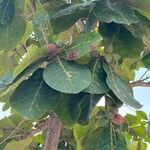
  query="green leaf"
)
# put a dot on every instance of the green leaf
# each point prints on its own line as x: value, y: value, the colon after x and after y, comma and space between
x: 6, y: 123
x: 43, y: 1
x: 115, y: 99
x: 109, y: 31
x: 69, y: 110
x: 120, y: 88
x: 98, y: 84
x: 137, y: 145
x: 126, y: 45
x: 133, y: 145
x: 146, y: 61
x: 7, y: 11
x: 146, y: 34
x: 141, y: 29
x: 28, y: 32
x: 1, y: 133
x: 104, y: 139
x: 33, y: 54
x: 52, y: 4
x: 87, y: 104
x: 112, y: 11
x: 140, y: 131
x: 11, y: 35
x: 123, y: 42
x: 20, y: 6
x: 21, y: 145
x: 67, y: 77
x: 5, y: 63
x: 125, y: 71
x: 79, y: 132
x: 42, y: 27
x: 142, y: 6
x: 142, y: 114
x: 6, y: 79
x: 85, y: 107
x: 131, y: 119
x: 27, y: 72
x: 136, y: 29
x: 33, y: 98
x: 64, y: 18
x: 148, y: 130
x: 82, y: 45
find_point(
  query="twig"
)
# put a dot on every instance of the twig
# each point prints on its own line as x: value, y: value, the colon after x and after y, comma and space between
x: 53, y: 134
x: 33, y: 5
x: 29, y: 16
x: 141, y: 82
x: 18, y: 53
x: 10, y: 135
x: 145, y: 78
x: 144, y: 74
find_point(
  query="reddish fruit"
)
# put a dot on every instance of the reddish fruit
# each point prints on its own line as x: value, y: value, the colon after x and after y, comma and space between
x: 52, y: 48
x: 72, y: 55
x: 118, y: 119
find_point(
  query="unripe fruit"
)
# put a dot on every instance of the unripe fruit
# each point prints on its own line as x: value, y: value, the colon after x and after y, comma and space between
x: 52, y: 48
x: 118, y: 119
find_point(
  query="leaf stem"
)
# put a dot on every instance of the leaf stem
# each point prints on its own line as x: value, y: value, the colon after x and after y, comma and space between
x: 33, y: 5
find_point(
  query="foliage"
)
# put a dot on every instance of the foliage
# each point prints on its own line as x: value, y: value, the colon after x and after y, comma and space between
x: 62, y: 57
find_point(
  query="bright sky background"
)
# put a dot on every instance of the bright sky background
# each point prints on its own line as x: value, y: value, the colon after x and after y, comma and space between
x: 142, y: 94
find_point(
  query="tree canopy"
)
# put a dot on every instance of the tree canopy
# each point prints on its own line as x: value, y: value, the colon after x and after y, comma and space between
x: 58, y: 58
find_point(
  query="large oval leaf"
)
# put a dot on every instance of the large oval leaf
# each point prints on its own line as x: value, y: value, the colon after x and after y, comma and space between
x: 112, y: 11
x: 69, y: 109
x: 33, y: 98
x: 11, y: 35
x: 7, y: 11
x: 87, y: 104
x: 98, y: 84
x: 121, y: 88
x: 126, y: 45
x: 142, y: 6
x: 42, y: 27
x: 64, y: 18
x: 123, y: 42
x: 104, y: 139
x: 67, y: 77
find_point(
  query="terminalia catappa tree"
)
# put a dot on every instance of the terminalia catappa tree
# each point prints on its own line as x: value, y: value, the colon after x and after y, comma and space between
x: 58, y: 59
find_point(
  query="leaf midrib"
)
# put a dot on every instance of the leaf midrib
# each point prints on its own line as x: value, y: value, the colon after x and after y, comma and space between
x: 66, y: 73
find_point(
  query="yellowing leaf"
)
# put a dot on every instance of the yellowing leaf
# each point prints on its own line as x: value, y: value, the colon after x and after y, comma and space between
x: 21, y: 145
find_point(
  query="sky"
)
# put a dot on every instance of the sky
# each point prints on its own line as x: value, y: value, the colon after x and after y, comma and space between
x: 142, y: 94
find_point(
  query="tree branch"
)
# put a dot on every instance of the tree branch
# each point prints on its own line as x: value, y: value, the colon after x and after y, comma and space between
x: 53, y: 134
x: 33, y: 6
x: 140, y: 83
